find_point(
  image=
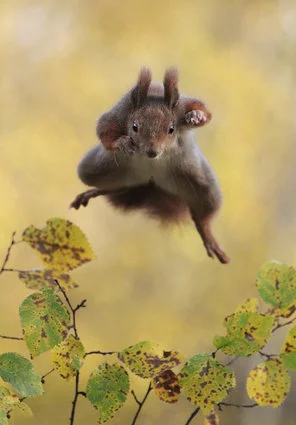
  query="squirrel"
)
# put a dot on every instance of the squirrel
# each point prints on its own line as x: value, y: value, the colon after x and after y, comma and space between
x: 148, y: 158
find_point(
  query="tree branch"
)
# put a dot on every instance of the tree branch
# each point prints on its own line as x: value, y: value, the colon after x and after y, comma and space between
x: 72, y: 309
x: 8, y: 253
x: 17, y: 338
x: 250, y: 406
x: 102, y: 353
x: 281, y: 325
x: 192, y: 416
x: 140, y: 403
x: 76, y: 394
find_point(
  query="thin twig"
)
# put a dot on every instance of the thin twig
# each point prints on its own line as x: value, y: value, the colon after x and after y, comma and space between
x: 192, y: 416
x: 140, y: 403
x: 231, y: 361
x: 135, y: 397
x: 12, y: 270
x: 73, y: 309
x: 281, y: 325
x: 250, y: 406
x: 268, y: 356
x: 17, y: 338
x: 8, y: 253
x: 76, y: 394
x: 102, y: 353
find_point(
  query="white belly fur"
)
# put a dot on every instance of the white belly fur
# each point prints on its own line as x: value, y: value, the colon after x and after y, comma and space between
x: 143, y: 169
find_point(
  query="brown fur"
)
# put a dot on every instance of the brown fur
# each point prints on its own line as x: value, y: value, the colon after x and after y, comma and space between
x: 148, y: 159
x: 156, y: 202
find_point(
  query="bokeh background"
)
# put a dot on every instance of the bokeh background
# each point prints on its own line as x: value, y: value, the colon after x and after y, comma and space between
x: 62, y: 65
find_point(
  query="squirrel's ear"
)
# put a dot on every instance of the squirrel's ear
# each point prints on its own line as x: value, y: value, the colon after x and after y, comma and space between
x: 139, y: 93
x: 171, y: 92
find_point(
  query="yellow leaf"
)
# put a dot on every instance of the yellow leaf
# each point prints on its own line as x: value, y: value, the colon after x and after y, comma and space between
x: 269, y: 383
x: 147, y: 359
x: 249, y: 305
x: 67, y: 357
x: 46, y: 278
x: 61, y: 245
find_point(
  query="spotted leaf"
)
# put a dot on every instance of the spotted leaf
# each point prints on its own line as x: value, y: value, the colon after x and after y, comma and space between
x: 166, y: 386
x: 276, y: 284
x: 19, y: 372
x: 3, y: 418
x: 107, y: 390
x: 247, y: 330
x: 46, y: 278
x: 67, y: 357
x: 205, y: 382
x: 45, y: 321
x: 288, y: 352
x: 249, y: 305
x: 9, y: 401
x: 60, y: 244
x: 147, y: 359
x: 269, y: 383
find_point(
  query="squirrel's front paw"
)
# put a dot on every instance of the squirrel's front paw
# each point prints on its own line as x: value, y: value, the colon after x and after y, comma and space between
x: 196, y: 117
x: 126, y: 145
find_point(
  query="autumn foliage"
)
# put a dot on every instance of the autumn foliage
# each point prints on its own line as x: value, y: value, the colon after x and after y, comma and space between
x: 49, y: 323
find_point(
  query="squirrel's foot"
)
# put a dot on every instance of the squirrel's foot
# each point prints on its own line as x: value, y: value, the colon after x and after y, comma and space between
x: 83, y: 198
x: 126, y: 145
x: 214, y: 250
x: 196, y: 118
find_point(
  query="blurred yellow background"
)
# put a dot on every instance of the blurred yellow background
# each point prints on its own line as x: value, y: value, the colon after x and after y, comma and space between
x: 62, y: 65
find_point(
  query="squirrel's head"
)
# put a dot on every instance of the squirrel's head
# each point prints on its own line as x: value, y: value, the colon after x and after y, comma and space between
x: 152, y: 123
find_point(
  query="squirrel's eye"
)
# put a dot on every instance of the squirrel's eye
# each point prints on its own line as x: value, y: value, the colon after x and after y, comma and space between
x: 171, y: 129
x: 135, y: 127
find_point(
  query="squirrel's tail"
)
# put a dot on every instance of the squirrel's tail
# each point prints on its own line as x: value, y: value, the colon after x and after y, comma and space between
x: 155, y: 201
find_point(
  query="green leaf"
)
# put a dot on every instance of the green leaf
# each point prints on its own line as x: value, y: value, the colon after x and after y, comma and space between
x: 288, y: 351
x: 67, y: 357
x: 147, y: 359
x: 61, y: 245
x: 46, y: 278
x: 166, y: 386
x: 45, y: 321
x: 10, y: 402
x: 269, y: 383
x: 3, y: 418
x: 276, y: 283
x: 19, y: 372
x: 205, y: 382
x: 107, y: 389
x: 247, y: 330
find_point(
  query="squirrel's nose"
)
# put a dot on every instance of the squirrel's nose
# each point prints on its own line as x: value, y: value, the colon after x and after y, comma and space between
x: 152, y: 154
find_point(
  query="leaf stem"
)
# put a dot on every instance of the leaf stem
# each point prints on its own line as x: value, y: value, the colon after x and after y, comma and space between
x: 46, y: 374
x: 140, y: 403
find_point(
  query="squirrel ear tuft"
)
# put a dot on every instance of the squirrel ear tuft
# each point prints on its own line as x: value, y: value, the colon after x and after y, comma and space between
x: 139, y: 93
x: 171, y: 92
